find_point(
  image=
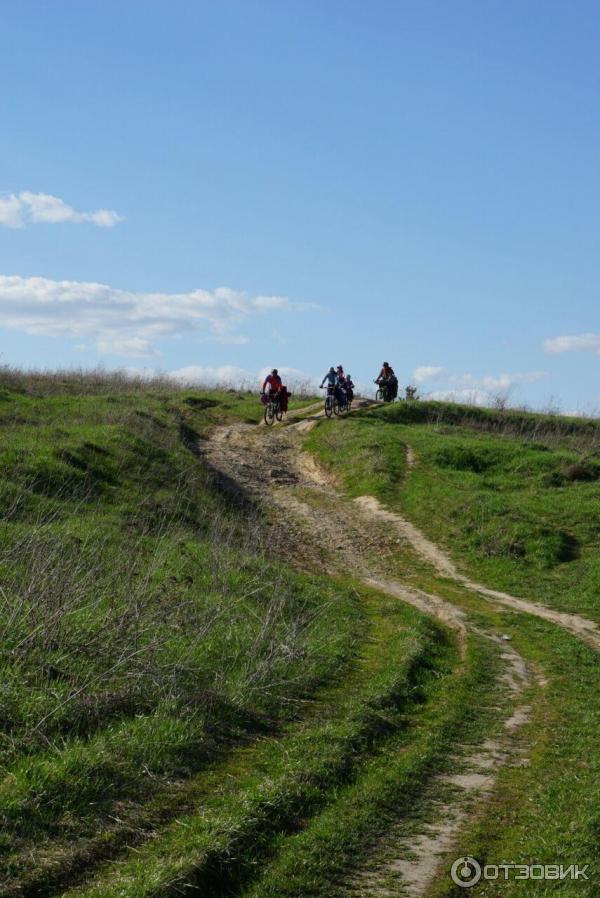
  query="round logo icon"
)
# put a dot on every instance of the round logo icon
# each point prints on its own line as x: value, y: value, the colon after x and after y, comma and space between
x: 466, y: 872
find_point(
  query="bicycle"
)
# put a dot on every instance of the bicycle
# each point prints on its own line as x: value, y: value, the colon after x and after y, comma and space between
x: 381, y: 394
x: 331, y: 403
x: 273, y: 410
x: 384, y: 393
x: 340, y: 408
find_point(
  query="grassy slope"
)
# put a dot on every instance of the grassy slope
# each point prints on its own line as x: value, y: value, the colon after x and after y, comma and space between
x: 315, y: 861
x: 545, y: 809
x: 142, y: 633
x: 129, y: 577
x: 166, y: 687
x: 276, y: 787
x: 518, y: 508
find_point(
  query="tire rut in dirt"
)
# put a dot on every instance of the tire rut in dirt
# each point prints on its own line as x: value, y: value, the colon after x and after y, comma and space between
x: 354, y: 538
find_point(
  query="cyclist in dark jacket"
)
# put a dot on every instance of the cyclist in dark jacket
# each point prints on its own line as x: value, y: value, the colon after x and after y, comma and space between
x: 388, y: 381
x: 349, y: 387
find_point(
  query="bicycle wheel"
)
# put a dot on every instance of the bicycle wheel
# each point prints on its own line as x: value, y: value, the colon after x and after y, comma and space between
x: 337, y: 409
x: 380, y: 395
x: 279, y: 413
x: 269, y: 413
x: 328, y: 407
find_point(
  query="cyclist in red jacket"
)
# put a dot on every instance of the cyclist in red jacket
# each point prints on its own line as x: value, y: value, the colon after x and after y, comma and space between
x: 273, y: 380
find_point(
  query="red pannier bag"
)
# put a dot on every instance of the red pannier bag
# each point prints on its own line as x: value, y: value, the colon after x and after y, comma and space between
x: 284, y: 396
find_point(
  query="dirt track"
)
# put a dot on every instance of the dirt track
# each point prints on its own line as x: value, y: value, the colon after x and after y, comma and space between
x: 305, y: 509
x: 268, y: 466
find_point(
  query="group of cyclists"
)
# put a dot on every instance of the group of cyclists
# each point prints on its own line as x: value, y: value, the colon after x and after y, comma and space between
x: 339, y: 385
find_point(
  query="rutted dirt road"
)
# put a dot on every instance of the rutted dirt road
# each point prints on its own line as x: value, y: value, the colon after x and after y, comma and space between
x: 304, y: 509
x: 576, y: 624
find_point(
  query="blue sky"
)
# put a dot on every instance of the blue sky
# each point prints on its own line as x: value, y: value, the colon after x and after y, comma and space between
x: 414, y: 181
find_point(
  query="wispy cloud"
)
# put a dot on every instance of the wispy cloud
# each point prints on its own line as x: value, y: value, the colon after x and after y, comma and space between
x: 221, y: 375
x: 428, y: 372
x: 575, y: 343
x: 470, y: 388
x: 467, y: 381
x: 508, y: 381
x: 121, y: 322
x: 25, y: 208
x: 231, y: 376
x: 471, y: 396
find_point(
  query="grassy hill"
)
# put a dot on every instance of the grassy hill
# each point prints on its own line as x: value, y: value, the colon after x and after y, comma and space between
x: 513, y: 499
x: 144, y: 625
x: 187, y: 709
x: 513, y: 496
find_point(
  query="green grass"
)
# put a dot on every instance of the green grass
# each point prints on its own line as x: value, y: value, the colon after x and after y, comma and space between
x: 316, y: 861
x: 518, y: 513
x: 364, y: 459
x: 181, y: 713
x: 276, y: 785
x: 544, y: 809
x: 142, y: 634
x: 173, y: 700
x: 479, y: 481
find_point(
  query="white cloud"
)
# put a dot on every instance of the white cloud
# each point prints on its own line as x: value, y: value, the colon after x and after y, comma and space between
x: 508, y: 381
x: 11, y: 212
x: 466, y: 396
x: 466, y: 382
x: 427, y: 372
x: 19, y: 210
x: 121, y: 322
x: 231, y: 376
x: 576, y: 343
x: 223, y: 375
x: 481, y: 390
x: 134, y: 347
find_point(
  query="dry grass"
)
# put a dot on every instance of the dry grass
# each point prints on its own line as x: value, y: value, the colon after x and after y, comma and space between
x: 547, y: 428
x: 141, y: 625
x: 101, y: 381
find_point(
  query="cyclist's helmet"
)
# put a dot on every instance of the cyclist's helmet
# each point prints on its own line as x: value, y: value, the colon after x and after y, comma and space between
x: 332, y: 368
x: 274, y: 371
x: 386, y: 364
